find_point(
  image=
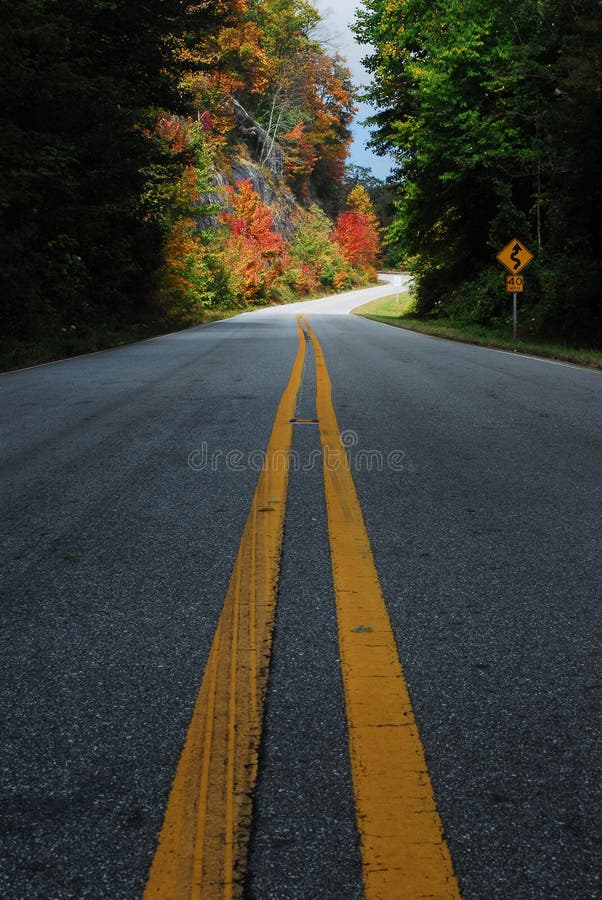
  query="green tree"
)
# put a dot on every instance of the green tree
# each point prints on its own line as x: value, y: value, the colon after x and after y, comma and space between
x: 457, y: 143
x: 571, y: 176
x: 493, y: 116
x: 83, y: 81
x: 319, y: 260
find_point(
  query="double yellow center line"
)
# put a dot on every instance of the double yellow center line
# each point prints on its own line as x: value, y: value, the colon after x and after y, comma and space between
x: 202, y: 847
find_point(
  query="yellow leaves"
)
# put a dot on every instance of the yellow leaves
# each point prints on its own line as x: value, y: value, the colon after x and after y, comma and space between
x: 358, y: 199
x: 183, y: 253
x: 419, y: 71
x: 240, y: 49
x: 230, y: 59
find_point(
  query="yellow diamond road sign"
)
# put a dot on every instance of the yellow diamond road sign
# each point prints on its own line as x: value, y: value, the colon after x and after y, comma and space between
x: 515, y: 256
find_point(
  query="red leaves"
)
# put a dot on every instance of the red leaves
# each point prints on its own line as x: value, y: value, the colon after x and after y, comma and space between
x: 356, y: 230
x: 174, y: 131
x: 206, y: 120
x: 357, y: 238
x: 256, y: 253
x: 249, y: 216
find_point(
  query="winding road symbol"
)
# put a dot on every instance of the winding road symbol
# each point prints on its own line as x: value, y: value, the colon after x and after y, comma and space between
x: 515, y: 256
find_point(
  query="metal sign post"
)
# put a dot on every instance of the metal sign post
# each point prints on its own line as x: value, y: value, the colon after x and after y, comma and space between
x: 515, y: 284
x: 514, y: 316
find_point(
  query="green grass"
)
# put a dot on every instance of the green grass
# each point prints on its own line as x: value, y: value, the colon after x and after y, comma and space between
x: 77, y: 341
x: 396, y: 309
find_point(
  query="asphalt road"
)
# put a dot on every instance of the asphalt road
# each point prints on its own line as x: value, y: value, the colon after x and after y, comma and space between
x: 479, y: 476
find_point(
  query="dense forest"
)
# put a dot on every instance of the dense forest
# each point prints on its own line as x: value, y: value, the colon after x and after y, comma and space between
x: 493, y: 113
x: 118, y: 119
x: 120, y: 122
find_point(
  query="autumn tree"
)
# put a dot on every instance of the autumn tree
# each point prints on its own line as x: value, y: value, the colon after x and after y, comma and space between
x: 193, y: 274
x: 82, y: 83
x: 381, y: 192
x: 356, y: 232
x: 331, y: 118
x: 286, y: 27
x: 308, y: 104
x: 99, y: 179
x: 223, y: 60
x: 301, y: 159
x: 316, y: 254
x: 255, y: 251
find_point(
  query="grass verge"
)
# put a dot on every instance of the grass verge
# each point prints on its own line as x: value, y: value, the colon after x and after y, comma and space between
x: 396, y: 309
x: 17, y: 354
x: 78, y: 341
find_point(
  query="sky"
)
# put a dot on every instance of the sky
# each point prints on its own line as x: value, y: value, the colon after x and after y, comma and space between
x: 335, y: 32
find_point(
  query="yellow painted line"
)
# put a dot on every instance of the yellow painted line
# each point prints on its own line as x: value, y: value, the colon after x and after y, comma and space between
x: 404, y: 852
x: 202, y: 847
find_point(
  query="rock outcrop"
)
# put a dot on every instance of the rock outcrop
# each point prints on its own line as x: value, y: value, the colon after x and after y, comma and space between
x: 262, y: 146
x: 260, y: 160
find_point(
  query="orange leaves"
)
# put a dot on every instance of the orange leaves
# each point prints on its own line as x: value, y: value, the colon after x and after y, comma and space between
x: 178, y: 248
x: 333, y: 111
x: 249, y: 216
x: 319, y: 89
x: 302, y: 155
x: 295, y: 134
x: 254, y: 250
x: 238, y: 54
x: 356, y: 230
x: 226, y: 60
x: 301, y: 159
x: 358, y: 239
x: 187, y: 278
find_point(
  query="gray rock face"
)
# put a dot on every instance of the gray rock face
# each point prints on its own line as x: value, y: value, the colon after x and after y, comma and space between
x: 264, y: 168
x: 275, y: 194
x: 262, y: 146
